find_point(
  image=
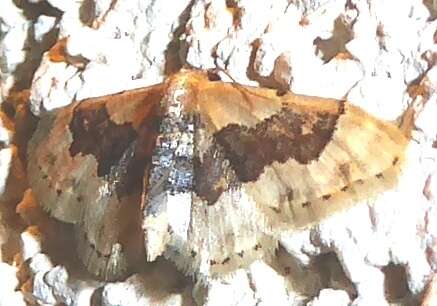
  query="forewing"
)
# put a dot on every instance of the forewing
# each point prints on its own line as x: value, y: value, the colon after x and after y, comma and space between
x: 264, y: 162
x: 236, y: 165
x: 86, y: 166
x: 301, y: 158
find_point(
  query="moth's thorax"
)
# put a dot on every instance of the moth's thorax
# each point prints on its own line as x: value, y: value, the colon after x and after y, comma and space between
x: 172, y: 158
x: 171, y: 175
x: 184, y: 87
x: 187, y: 78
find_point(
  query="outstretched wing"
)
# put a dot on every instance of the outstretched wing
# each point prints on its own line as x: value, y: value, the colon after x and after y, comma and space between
x: 307, y: 157
x: 86, y: 166
x: 258, y: 162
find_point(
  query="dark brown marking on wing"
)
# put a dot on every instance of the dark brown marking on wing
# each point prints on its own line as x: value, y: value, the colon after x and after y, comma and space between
x: 209, y: 176
x: 379, y: 176
x: 121, y: 151
x: 288, y: 134
x: 276, y: 209
x: 326, y: 197
x: 212, y: 173
x: 395, y: 161
x: 306, y: 204
x: 226, y: 260
x: 290, y: 195
x: 345, y: 171
x: 94, y: 133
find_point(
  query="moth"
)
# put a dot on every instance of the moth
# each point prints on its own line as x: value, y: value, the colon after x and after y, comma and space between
x: 204, y: 172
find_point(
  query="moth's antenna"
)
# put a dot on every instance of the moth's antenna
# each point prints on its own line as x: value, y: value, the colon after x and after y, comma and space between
x: 219, y: 69
x: 246, y: 93
x: 349, y: 90
x: 410, y: 115
x: 420, y: 93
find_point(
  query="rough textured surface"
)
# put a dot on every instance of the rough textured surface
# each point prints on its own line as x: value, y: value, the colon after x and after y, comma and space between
x: 330, y: 297
x: 381, y: 55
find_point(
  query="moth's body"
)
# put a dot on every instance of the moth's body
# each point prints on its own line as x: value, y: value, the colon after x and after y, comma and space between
x: 226, y: 168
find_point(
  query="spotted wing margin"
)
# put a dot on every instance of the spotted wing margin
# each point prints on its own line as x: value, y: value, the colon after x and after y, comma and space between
x: 86, y: 167
x: 300, y: 158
